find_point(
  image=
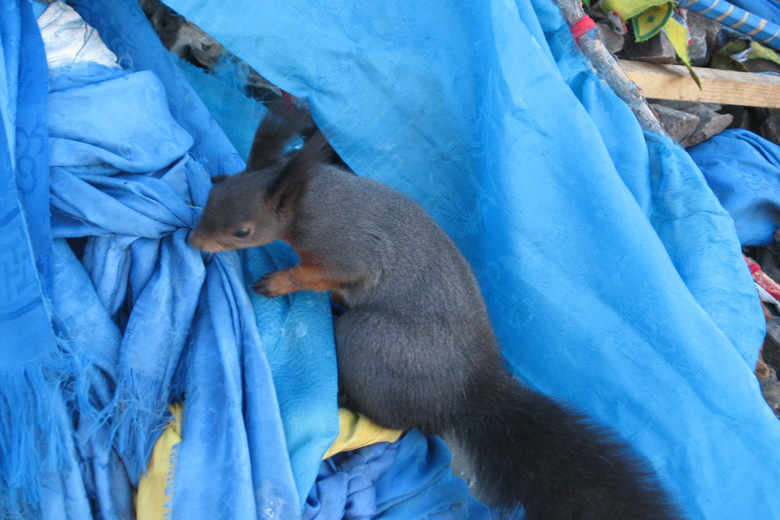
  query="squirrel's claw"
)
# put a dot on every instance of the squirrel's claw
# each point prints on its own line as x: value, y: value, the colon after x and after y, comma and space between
x: 265, y: 286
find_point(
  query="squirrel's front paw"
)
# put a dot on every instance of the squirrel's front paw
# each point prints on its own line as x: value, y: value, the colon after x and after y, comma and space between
x: 266, y: 286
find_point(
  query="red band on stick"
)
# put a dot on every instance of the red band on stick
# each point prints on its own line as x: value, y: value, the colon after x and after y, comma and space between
x: 582, y: 26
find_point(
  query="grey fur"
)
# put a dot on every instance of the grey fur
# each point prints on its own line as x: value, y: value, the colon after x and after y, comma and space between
x: 415, y: 347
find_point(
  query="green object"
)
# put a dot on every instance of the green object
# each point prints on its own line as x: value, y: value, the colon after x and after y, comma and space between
x: 735, y: 54
x: 677, y: 32
x: 628, y: 9
x: 649, y: 23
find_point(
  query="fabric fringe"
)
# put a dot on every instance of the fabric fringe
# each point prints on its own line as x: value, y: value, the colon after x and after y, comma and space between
x: 173, y: 466
x: 137, y: 416
x: 32, y: 440
x: 28, y: 438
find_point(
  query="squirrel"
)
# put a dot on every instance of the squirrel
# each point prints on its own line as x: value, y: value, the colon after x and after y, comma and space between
x: 415, y: 347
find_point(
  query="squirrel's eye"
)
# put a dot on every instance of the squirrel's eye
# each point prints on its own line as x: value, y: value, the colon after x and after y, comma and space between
x: 241, y: 232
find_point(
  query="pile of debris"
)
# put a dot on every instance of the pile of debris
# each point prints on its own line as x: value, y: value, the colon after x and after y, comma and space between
x: 710, y: 45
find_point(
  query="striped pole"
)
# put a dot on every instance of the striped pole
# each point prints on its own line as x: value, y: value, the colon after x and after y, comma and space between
x: 730, y: 15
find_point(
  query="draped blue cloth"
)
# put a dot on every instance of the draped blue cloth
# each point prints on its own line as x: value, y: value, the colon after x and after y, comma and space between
x: 28, y: 405
x: 743, y: 170
x: 612, y: 274
x: 384, y: 481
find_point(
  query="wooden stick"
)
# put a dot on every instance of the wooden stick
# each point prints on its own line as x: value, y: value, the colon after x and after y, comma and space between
x: 608, y: 69
x: 717, y: 86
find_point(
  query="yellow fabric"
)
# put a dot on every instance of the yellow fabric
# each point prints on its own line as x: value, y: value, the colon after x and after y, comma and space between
x: 628, y: 9
x: 651, y: 16
x: 759, y: 51
x: 650, y: 22
x: 155, y: 487
x: 356, y: 431
x: 678, y: 36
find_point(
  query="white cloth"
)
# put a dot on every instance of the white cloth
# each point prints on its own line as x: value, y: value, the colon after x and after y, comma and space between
x: 69, y: 39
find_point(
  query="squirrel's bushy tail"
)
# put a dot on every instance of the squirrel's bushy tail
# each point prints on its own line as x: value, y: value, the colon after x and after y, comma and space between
x: 528, y: 449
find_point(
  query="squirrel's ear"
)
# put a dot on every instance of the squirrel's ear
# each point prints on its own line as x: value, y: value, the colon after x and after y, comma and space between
x: 218, y: 178
x: 289, y: 183
x: 278, y: 126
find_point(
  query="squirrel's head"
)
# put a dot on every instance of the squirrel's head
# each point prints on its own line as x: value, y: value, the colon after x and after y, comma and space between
x: 257, y: 207
x: 242, y: 210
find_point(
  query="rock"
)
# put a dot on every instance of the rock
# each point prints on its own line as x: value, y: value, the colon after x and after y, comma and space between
x: 767, y: 258
x: 182, y: 37
x: 166, y: 22
x: 770, y: 128
x: 743, y: 118
x: 704, y: 31
x: 258, y: 87
x: 612, y: 40
x: 205, y: 55
x: 710, y: 124
x: 761, y: 65
x: 685, y: 105
x: 678, y: 124
x: 771, y: 350
x: 770, y: 389
x: 657, y: 49
x: 195, y: 46
x: 764, y: 371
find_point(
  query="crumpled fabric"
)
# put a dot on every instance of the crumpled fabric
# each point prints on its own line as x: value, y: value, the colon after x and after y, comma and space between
x: 141, y: 319
x: 383, y: 481
x: 297, y: 331
x: 68, y: 39
x: 130, y: 185
x: 743, y: 170
x: 612, y: 274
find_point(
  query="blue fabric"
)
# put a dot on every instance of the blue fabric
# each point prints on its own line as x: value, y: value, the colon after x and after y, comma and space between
x: 743, y: 169
x: 223, y: 95
x: 180, y: 326
x: 612, y: 274
x: 384, y: 481
x: 29, y: 398
x: 141, y: 318
x: 297, y: 333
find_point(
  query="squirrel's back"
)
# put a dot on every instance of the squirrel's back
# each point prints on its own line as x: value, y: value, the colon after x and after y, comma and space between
x: 417, y: 305
x: 388, y: 235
